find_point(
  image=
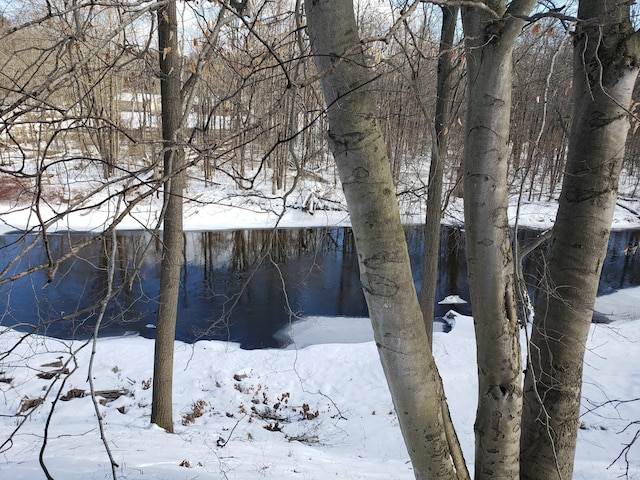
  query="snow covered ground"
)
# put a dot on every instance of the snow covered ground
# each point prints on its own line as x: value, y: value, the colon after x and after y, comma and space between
x: 319, y: 409
x: 313, y: 412
x: 221, y: 205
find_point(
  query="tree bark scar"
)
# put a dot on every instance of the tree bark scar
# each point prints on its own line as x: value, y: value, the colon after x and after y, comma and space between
x: 384, y: 347
x: 496, y: 416
x: 379, y: 286
x: 578, y: 196
x: 360, y: 174
x: 600, y: 120
x: 380, y: 258
x: 492, y: 99
x: 343, y: 142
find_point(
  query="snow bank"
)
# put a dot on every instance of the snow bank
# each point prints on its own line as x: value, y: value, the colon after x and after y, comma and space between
x: 318, y: 412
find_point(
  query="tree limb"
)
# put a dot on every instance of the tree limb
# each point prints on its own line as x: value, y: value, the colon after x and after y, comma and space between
x: 468, y: 4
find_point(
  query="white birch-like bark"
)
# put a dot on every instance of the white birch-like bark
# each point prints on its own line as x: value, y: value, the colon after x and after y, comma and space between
x: 606, y: 62
x: 360, y: 154
x: 490, y: 34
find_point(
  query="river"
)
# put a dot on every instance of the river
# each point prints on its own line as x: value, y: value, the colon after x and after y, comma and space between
x: 240, y: 286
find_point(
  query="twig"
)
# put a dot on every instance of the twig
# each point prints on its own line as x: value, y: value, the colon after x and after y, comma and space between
x: 625, y: 451
x: 94, y: 348
x: 222, y: 442
x: 45, y: 436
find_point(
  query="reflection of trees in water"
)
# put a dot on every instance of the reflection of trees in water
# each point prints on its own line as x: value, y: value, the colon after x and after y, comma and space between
x: 251, y: 270
x: 250, y: 248
x: 534, y: 266
x: 76, y: 291
x: 259, y: 279
x: 621, y: 268
x: 452, y: 262
x: 240, y: 257
x: 632, y: 254
x: 452, y: 268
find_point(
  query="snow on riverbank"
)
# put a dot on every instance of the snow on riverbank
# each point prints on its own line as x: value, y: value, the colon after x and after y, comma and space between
x: 244, y: 214
x: 221, y: 207
x: 318, y: 412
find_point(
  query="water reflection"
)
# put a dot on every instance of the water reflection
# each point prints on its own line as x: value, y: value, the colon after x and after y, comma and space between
x: 241, y: 286
x: 235, y: 285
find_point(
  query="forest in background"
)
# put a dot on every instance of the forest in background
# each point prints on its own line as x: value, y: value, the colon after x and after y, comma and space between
x: 80, y: 90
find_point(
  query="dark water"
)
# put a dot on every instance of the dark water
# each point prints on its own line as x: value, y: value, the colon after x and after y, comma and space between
x: 241, y: 286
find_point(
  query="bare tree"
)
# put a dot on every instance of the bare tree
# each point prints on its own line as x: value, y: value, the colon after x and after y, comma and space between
x: 172, y: 235
x: 541, y: 108
x: 362, y: 161
x: 442, y: 123
x: 490, y: 35
x: 606, y: 61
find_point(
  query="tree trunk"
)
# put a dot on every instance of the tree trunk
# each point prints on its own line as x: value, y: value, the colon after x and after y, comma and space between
x: 432, y: 232
x: 442, y: 122
x: 603, y: 79
x: 172, y: 235
x: 489, y: 45
x: 364, y: 168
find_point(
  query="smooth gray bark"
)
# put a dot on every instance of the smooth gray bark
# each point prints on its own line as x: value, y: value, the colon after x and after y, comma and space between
x: 441, y: 124
x: 490, y: 34
x: 606, y: 60
x: 172, y: 235
x: 442, y: 121
x: 364, y: 168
